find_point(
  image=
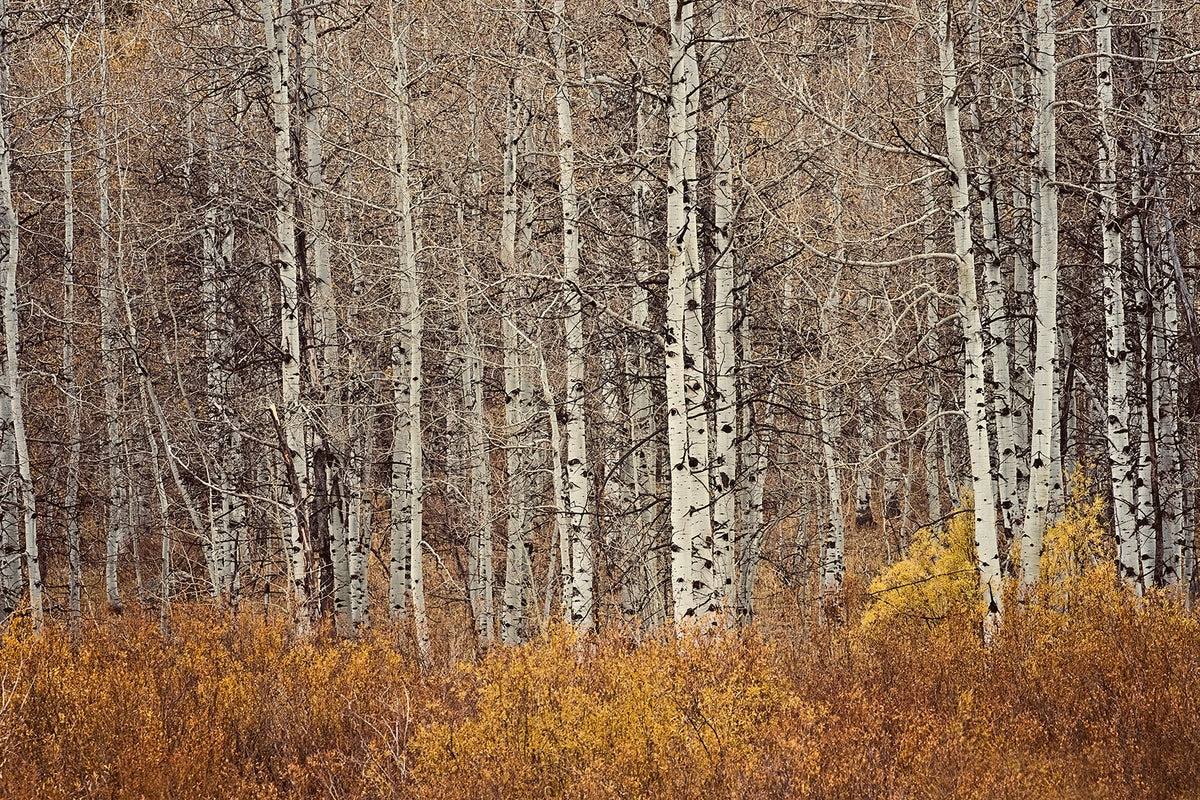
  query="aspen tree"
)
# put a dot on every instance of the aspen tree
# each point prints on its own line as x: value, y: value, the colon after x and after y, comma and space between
x: 408, y: 429
x: 987, y: 549
x: 687, y: 436
x: 725, y: 451
x: 329, y: 437
x: 833, y: 547
x: 1046, y: 296
x: 516, y: 213
x: 580, y: 600
x: 70, y: 388
x: 998, y: 329
x: 118, y: 531
x: 641, y: 396
x: 292, y: 424
x: 12, y: 410
x: 1117, y: 356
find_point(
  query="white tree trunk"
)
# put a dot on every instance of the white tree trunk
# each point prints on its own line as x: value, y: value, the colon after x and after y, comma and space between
x: 833, y: 548
x: 987, y: 549
x: 1121, y: 463
x: 296, y: 501
x: 481, y: 581
x: 1046, y: 299
x: 688, y: 500
x: 333, y: 434
x: 641, y: 396
x: 12, y: 417
x: 725, y: 454
x: 70, y: 389
x: 118, y: 532
x: 578, y: 472
x: 407, y: 433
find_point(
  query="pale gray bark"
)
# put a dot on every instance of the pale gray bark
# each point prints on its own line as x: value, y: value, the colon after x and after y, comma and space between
x: 682, y: 257
x: 480, y: 558
x: 516, y: 212
x: 1121, y: 462
x: 407, y: 539
x: 12, y: 418
x: 833, y: 548
x: 70, y: 388
x: 118, y: 532
x: 975, y: 400
x: 292, y: 423
x: 578, y: 475
x: 1046, y: 297
x: 725, y: 452
x: 641, y: 398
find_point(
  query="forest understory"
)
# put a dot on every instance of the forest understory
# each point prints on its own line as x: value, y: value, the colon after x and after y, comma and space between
x: 1086, y: 691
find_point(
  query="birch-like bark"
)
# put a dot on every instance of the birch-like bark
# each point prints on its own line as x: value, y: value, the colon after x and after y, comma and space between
x: 408, y: 429
x: 481, y: 582
x: 10, y: 522
x: 725, y: 453
x: 833, y: 548
x: 70, y: 388
x: 975, y: 400
x: 695, y: 352
x: 578, y: 473
x: 641, y: 395
x: 516, y: 211
x: 333, y: 434
x: 360, y: 456
x: 998, y: 328
x: 14, y: 421
x: 1046, y: 297
x: 686, y: 502
x: 1120, y: 459
x: 118, y: 531
x: 1020, y: 77
x: 295, y: 513
x: 1144, y: 530
x: 929, y: 339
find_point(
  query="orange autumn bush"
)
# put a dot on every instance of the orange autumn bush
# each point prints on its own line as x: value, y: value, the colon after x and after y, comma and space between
x: 222, y: 709
x: 1087, y: 692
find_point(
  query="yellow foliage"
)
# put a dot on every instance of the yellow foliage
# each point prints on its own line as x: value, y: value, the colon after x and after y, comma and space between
x: 1079, y: 542
x: 938, y: 580
x: 563, y: 719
